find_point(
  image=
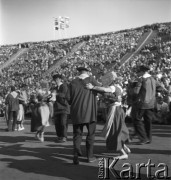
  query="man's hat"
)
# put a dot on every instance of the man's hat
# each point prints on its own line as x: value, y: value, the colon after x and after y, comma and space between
x: 82, y: 69
x: 55, y: 76
x: 143, y: 68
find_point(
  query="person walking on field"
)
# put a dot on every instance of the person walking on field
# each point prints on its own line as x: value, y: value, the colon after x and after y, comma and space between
x: 61, y: 108
x: 83, y: 113
x: 12, y: 102
x: 145, y: 101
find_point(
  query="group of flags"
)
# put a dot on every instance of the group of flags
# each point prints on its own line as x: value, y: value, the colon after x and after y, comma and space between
x: 61, y: 23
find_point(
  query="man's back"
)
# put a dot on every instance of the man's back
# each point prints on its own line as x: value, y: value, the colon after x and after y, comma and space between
x: 12, y: 101
x: 147, y: 93
x: 83, y: 101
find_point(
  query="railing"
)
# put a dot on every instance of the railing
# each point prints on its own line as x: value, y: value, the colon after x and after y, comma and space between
x: 139, y: 48
x: 14, y: 58
x: 57, y: 64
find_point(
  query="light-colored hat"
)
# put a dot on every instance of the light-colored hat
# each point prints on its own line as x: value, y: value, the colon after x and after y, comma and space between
x: 108, y: 78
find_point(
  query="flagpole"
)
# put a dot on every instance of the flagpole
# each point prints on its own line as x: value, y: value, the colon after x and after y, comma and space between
x: 54, y: 28
x: 63, y: 35
x: 66, y: 33
x: 60, y: 34
x: 67, y: 21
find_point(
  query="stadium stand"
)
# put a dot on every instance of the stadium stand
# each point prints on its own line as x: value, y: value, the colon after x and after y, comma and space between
x: 120, y: 51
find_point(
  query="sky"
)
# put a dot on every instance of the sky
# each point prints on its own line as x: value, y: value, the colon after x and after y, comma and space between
x: 33, y: 20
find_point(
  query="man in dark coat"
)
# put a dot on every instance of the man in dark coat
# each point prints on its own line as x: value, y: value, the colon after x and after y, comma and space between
x: 83, y: 112
x: 61, y: 108
x: 145, y: 100
x: 12, y: 102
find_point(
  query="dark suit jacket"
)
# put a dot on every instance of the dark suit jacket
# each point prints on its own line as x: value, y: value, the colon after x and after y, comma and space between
x: 61, y: 105
x: 83, y: 101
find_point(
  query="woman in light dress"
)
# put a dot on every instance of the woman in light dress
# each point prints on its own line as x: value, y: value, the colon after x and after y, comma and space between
x: 41, y: 113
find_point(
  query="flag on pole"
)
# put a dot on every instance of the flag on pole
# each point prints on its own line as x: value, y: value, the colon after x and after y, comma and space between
x: 62, y: 26
x: 56, y: 28
x: 62, y: 20
x: 56, y: 23
x: 61, y: 23
x: 66, y: 22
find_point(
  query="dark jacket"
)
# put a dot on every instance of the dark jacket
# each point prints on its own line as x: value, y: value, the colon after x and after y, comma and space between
x: 83, y: 101
x: 146, y: 93
x: 61, y: 105
x: 12, y: 101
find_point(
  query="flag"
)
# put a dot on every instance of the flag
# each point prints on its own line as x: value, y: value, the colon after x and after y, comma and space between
x: 66, y: 22
x: 62, y: 26
x: 56, y: 23
x: 62, y: 20
x: 56, y: 28
x: 61, y: 23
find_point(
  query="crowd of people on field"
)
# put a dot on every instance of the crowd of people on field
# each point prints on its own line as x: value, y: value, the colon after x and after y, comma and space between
x: 139, y: 89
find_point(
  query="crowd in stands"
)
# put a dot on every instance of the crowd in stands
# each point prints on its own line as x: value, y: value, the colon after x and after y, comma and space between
x: 7, y: 52
x: 101, y: 53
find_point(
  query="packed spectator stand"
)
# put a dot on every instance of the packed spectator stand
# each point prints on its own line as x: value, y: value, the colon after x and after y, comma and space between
x: 102, y: 53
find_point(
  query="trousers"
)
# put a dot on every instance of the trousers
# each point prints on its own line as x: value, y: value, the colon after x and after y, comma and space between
x: 143, y: 124
x: 61, y: 125
x: 77, y: 138
x: 12, y: 115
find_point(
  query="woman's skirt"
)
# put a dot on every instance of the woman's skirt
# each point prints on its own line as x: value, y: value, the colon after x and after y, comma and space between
x: 20, y: 116
x: 40, y: 116
x: 116, y: 132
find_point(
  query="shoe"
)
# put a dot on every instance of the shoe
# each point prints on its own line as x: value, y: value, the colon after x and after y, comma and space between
x: 37, y: 135
x: 80, y: 153
x: 20, y: 128
x: 134, y: 137
x: 75, y: 160
x: 90, y: 160
x: 122, y: 157
x: 62, y: 140
x: 57, y: 139
x: 143, y: 142
x: 128, y: 151
x: 41, y: 138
